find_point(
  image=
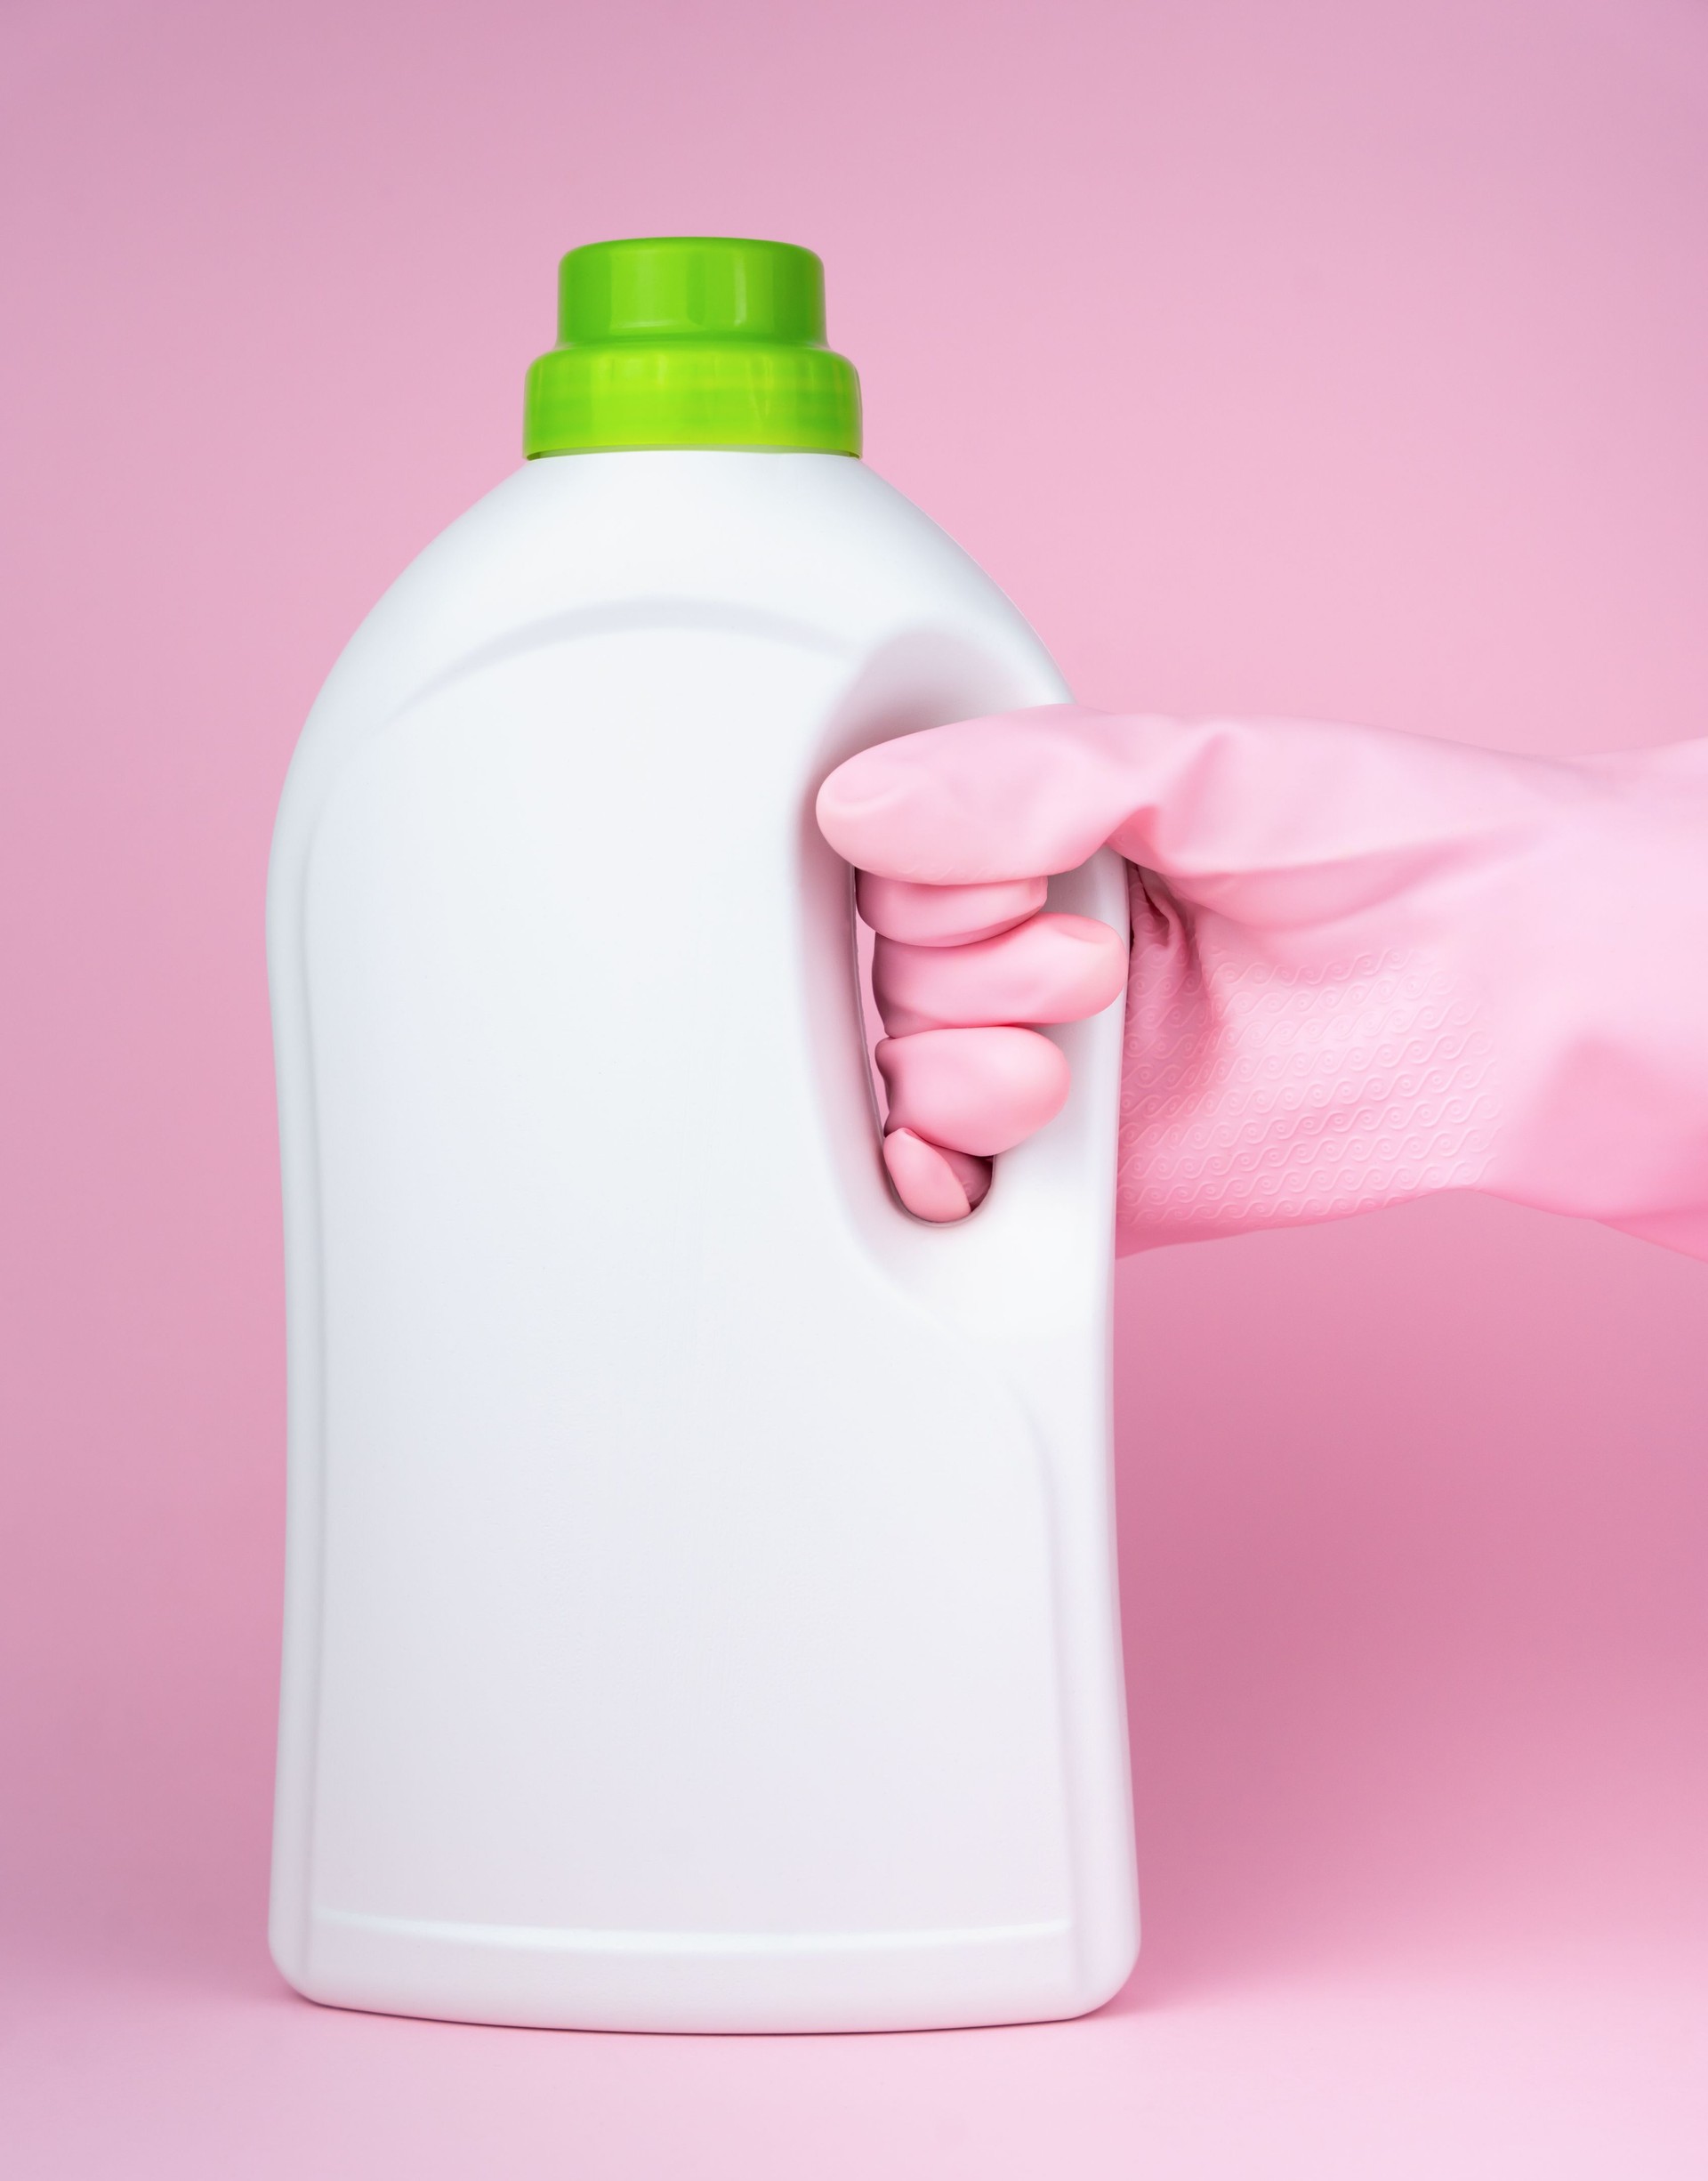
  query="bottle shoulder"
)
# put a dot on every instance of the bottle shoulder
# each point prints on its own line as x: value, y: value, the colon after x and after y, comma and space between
x: 800, y: 550
x: 818, y: 541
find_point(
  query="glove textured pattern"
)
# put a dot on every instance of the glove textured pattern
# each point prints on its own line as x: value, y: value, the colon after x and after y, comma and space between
x: 1254, y: 1093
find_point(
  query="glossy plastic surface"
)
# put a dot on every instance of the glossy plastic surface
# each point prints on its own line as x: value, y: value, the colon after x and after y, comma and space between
x: 700, y: 1599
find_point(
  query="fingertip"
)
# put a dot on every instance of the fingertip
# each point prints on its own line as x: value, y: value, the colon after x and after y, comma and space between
x: 1089, y: 931
x: 926, y: 1183
x: 860, y: 785
x: 1098, y: 961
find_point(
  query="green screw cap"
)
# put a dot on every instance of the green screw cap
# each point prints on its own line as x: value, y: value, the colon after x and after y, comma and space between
x: 691, y: 341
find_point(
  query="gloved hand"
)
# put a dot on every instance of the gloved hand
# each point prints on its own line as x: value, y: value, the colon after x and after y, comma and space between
x: 1365, y: 965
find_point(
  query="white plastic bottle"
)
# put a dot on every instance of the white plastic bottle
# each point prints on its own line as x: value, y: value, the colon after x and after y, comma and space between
x: 700, y: 1606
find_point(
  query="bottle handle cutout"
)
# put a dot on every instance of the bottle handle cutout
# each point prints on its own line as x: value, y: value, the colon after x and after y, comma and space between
x: 1034, y: 1203
x: 1046, y: 1226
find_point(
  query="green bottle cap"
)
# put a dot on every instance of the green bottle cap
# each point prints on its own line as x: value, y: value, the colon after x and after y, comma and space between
x: 691, y: 341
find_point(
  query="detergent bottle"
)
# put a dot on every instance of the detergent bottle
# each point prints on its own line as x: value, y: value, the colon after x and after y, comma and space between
x: 700, y: 1598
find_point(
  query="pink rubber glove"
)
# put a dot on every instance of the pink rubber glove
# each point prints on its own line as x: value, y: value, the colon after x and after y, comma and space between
x: 1365, y: 965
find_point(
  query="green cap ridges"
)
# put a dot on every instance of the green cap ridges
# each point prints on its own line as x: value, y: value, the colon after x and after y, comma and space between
x: 691, y: 341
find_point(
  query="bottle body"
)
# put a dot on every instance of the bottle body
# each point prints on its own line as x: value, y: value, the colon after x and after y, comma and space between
x: 700, y: 1605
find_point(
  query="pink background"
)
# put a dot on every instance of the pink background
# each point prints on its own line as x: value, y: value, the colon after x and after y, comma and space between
x: 1347, y: 356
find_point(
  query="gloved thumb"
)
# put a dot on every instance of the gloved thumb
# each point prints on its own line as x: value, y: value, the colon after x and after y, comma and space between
x: 1023, y: 793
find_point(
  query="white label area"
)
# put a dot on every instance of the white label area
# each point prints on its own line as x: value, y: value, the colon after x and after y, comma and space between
x: 682, y: 1573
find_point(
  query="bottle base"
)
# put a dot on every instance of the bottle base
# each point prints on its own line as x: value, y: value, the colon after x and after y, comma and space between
x: 762, y: 1982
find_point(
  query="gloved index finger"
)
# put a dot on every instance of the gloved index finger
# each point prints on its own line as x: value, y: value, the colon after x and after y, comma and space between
x: 925, y: 916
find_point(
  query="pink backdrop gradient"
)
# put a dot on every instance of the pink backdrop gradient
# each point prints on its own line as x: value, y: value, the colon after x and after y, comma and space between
x: 1344, y: 357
